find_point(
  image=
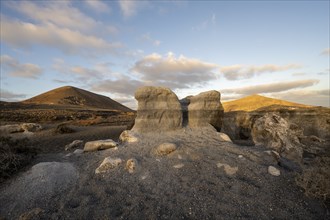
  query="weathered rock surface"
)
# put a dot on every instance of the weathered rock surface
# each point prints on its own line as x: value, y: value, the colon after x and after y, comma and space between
x: 100, y: 145
x: 31, y: 127
x: 274, y: 132
x: 164, y: 149
x: 224, y: 137
x: 229, y: 170
x: 74, y: 144
x: 108, y: 164
x: 18, y: 128
x: 158, y: 110
x: 128, y: 136
x: 205, y: 109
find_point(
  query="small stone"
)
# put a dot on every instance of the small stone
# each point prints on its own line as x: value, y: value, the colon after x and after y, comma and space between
x: 32, y: 127
x: 100, y: 145
x: 178, y: 166
x: 131, y: 165
x: 274, y: 171
x: 128, y: 136
x: 74, y: 144
x: 227, y: 168
x: 224, y: 137
x: 108, y: 164
x: 165, y: 148
x: 240, y: 156
x: 78, y: 151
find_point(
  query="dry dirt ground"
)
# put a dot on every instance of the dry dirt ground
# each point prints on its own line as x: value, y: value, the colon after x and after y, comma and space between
x: 205, y: 178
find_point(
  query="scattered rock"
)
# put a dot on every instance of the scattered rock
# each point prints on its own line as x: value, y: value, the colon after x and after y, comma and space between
x: 205, y: 109
x: 227, y: 168
x: 108, y: 164
x: 74, y: 144
x: 128, y: 136
x: 131, y: 165
x: 274, y: 171
x: 159, y: 109
x: 178, y: 166
x: 165, y: 148
x: 10, y: 129
x: 273, y: 132
x: 240, y: 156
x: 78, y: 151
x: 224, y: 137
x: 99, y: 145
x: 64, y: 129
x: 31, y: 127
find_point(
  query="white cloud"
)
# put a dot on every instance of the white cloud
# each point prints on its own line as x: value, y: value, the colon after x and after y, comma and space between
x: 128, y: 7
x: 174, y: 72
x: 209, y: 22
x: 237, y: 72
x: 17, y: 69
x: 272, y: 87
x: 66, y: 40
x: 98, y: 5
x: 122, y: 86
x: 62, y: 14
x: 326, y: 52
x: 10, y: 96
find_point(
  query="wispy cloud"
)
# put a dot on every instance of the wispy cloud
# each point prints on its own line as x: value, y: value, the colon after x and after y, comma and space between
x: 10, y: 96
x: 272, y: 87
x: 237, y: 72
x: 98, y: 6
x: 130, y: 8
x: 209, y: 22
x: 326, y: 52
x: 181, y: 72
x: 66, y: 40
x: 120, y: 86
x: 14, y: 68
x: 146, y: 37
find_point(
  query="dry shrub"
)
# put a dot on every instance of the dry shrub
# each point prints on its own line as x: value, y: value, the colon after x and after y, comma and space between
x: 316, y: 178
x: 14, y: 155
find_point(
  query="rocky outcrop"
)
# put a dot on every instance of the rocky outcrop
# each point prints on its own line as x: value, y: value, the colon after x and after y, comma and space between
x: 17, y: 128
x: 100, y: 145
x: 205, y: 109
x: 273, y: 132
x: 158, y: 110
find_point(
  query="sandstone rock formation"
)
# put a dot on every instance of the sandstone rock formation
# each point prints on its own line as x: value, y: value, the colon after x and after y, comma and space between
x: 274, y: 132
x: 99, y: 145
x: 128, y: 137
x: 205, y: 109
x: 164, y: 149
x: 131, y: 165
x: 107, y: 164
x: 158, y: 110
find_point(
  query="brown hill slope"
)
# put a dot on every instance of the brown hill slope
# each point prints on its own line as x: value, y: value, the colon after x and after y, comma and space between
x: 254, y: 102
x: 73, y: 96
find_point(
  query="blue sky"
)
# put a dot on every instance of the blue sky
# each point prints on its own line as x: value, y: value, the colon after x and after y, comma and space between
x: 278, y: 49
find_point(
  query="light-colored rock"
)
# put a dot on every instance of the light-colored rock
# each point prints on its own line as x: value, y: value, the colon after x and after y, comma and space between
x: 108, y: 164
x: 78, y: 151
x: 224, y: 137
x: 158, y: 110
x: 229, y: 170
x: 164, y: 149
x: 274, y: 132
x: 128, y: 136
x: 99, y: 145
x: 131, y: 165
x: 74, y: 144
x: 10, y: 129
x: 205, y: 109
x: 274, y: 171
x: 178, y: 166
x: 31, y: 127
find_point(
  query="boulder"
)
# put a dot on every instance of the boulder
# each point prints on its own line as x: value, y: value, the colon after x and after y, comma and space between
x: 31, y: 127
x: 272, y: 131
x: 108, y: 164
x: 274, y: 171
x: 224, y: 137
x: 205, y: 109
x: 100, y: 145
x: 128, y: 136
x: 74, y: 144
x: 158, y: 110
x: 164, y: 149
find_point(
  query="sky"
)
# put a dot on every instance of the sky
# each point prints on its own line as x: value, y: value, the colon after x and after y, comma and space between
x: 278, y: 49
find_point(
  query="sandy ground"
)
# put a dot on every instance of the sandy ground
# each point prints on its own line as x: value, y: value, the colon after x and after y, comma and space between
x: 205, y: 178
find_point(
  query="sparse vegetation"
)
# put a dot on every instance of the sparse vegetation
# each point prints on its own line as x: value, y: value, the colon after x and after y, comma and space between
x: 14, y: 155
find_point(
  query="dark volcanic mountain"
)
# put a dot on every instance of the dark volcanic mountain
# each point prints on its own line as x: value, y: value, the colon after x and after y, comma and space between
x: 254, y: 102
x: 73, y: 96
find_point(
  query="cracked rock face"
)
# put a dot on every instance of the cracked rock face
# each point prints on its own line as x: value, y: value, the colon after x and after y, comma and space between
x: 159, y: 109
